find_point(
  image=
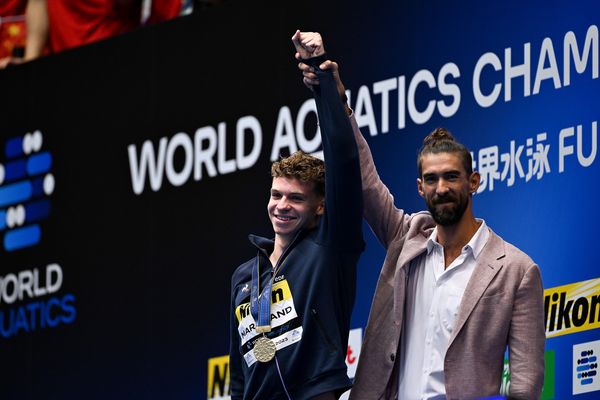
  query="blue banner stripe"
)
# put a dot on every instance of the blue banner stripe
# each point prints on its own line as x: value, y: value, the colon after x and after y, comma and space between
x: 15, y: 170
x: 37, y: 210
x: 39, y: 163
x: 14, y: 147
x: 22, y: 237
x: 2, y: 219
x: 15, y: 193
x: 37, y: 186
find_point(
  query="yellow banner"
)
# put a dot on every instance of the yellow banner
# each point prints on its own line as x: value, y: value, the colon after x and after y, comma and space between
x: 218, y: 378
x: 572, y: 308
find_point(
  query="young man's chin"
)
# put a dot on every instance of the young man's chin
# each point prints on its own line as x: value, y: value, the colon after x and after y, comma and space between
x: 285, y: 231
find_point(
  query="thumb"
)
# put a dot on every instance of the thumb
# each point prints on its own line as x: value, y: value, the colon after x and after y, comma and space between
x: 296, y: 40
x: 330, y: 65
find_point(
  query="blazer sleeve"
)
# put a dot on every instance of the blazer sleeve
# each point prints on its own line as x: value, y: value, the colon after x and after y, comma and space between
x: 527, y: 338
x: 385, y: 220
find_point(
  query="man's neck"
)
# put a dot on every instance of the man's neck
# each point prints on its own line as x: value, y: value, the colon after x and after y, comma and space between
x: 454, y: 237
x: 281, y: 244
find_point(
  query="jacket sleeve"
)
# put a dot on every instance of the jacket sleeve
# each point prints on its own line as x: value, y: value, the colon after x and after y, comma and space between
x: 341, y: 224
x: 527, y: 338
x: 386, y: 221
x: 236, y: 373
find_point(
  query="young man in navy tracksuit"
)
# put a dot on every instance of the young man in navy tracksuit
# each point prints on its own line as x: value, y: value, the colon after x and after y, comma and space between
x: 291, y: 304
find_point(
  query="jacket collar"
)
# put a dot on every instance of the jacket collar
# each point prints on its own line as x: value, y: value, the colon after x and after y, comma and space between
x: 266, y: 246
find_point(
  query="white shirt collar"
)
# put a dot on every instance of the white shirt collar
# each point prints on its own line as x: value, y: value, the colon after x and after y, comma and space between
x: 475, y: 245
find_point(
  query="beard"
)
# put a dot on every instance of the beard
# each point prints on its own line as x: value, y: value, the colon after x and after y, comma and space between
x: 447, y: 210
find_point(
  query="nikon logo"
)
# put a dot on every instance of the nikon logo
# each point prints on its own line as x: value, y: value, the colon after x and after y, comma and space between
x: 572, y: 308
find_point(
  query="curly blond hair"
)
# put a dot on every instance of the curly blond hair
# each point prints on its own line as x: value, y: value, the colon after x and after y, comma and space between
x: 303, y: 167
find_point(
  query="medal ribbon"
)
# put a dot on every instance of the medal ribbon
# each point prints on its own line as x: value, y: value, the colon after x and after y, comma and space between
x: 260, y: 304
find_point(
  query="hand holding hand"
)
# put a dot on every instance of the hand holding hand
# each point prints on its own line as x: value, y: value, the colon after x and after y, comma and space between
x: 308, y: 44
x: 310, y: 78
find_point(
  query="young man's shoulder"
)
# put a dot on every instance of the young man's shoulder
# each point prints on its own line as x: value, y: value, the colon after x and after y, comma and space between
x: 243, y: 273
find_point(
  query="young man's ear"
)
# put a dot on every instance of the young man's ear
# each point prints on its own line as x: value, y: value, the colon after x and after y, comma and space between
x: 321, y: 207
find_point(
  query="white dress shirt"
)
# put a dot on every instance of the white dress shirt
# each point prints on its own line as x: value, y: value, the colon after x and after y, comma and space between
x: 433, y: 296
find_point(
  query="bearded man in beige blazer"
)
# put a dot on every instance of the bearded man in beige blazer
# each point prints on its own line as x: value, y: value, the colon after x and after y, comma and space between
x: 452, y: 295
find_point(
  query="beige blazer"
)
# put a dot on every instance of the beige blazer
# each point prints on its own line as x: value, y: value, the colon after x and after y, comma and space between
x: 502, y: 306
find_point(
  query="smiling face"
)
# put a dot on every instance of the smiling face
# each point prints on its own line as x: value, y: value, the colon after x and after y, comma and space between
x: 446, y: 186
x: 293, y: 205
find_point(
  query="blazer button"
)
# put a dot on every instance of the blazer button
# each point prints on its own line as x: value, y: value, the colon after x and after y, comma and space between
x: 392, y: 357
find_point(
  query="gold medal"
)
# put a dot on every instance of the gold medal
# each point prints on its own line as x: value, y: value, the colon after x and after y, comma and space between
x: 264, y: 349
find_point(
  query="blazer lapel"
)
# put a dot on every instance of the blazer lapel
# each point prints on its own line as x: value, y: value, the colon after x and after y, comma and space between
x: 412, y: 249
x: 488, y: 264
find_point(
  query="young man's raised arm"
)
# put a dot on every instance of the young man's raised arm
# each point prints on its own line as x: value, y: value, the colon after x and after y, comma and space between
x: 341, y: 225
x: 386, y: 221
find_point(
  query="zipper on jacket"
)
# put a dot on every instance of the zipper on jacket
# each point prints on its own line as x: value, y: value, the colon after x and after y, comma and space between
x: 324, y: 334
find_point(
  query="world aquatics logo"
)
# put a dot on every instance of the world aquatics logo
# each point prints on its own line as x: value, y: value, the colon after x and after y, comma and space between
x: 25, y: 186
